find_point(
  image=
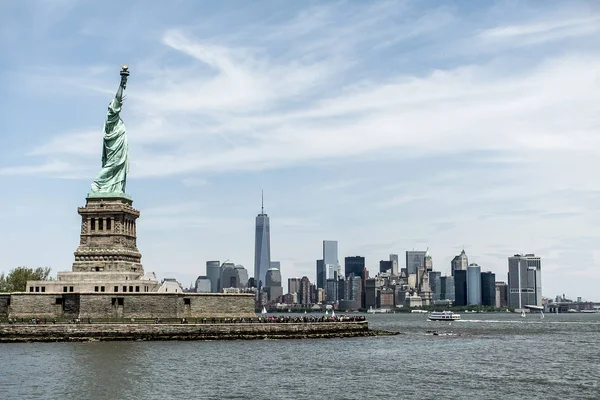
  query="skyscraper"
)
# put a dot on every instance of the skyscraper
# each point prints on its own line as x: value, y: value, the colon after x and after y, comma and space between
x: 385, y: 266
x: 229, y: 276
x: 473, y: 284
x: 370, y: 293
x: 321, y: 275
x: 460, y: 287
x: 330, y: 257
x: 354, y: 265
x: 488, y: 289
x: 524, y: 281
x: 262, y: 247
x: 414, y: 260
x: 459, y: 263
x: 213, y: 272
x: 305, y: 292
x: 447, y: 288
x: 332, y: 290
x: 293, y: 285
x: 273, y: 284
x: 276, y: 265
x: 242, y: 274
x: 501, y: 296
x: 353, y: 289
x: 394, y: 260
x: 435, y: 285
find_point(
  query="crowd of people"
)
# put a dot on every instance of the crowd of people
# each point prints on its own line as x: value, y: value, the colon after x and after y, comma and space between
x: 282, y: 319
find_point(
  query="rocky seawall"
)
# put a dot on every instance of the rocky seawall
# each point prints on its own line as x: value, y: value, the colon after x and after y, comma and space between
x: 139, y: 331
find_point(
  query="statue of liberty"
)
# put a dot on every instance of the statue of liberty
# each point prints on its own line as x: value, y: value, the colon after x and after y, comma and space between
x: 115, y: 150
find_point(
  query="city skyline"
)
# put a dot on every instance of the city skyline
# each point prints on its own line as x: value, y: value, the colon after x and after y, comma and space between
x: 442, y: 125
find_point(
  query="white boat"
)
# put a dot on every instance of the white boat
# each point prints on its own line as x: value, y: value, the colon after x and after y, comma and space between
x: 522, y: 313
x: 443, y: 316
x: 372, y: 310
x: 264, y: 311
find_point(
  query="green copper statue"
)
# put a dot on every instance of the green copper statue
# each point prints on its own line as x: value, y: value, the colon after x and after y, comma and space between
x: 115, y: 150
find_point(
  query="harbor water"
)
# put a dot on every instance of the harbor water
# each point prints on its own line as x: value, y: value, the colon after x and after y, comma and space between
x: 486, y: 356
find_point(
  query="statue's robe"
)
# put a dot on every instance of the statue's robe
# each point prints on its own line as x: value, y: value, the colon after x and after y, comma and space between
x: 115, y: 151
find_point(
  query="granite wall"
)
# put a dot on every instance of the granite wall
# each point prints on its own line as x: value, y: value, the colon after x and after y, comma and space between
x: 126, y: 305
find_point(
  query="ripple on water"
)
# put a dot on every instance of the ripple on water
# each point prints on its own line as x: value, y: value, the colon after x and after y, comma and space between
x: 493, y: 356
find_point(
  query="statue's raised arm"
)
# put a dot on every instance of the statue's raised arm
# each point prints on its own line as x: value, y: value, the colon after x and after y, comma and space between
x: 114, y: 108
x: 115, y: 150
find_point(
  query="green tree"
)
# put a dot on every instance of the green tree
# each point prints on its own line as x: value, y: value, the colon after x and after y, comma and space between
x: 16, y: 279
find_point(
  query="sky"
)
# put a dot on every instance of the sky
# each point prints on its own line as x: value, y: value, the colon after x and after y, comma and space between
x: 385, y: 125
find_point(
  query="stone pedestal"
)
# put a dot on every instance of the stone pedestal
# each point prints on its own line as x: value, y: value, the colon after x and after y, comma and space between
x: 108, y: 235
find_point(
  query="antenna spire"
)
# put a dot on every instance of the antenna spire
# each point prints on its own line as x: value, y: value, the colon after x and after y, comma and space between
x: 262, y: 201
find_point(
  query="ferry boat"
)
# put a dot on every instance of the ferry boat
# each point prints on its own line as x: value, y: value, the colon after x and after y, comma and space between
x: 444, y: 316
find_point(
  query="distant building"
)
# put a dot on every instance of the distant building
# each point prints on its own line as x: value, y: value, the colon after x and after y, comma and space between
x: 170, y: 285
x: 288, y: 298
x: 435, y: 285
x: 273, y: 277
x: 394, y: 260
x: 228, y: 278
x: 414, y: 260
x: 399, y: 295
x: 242, y: 274
x: 474, y: 284
x: 413, y: 301
x: 412, y: 281
x: 353, y: 288
x: 293, y: 285
x: 276, y: 265
x: 524, y: 281
x: 501, y: 294
x: 385, y: 266
x: 273, y: 284
x: 428, y: 261
x: 459, y: 263
x: 321, y: 295
x: 251, y: 283
x: 364, y: 276
x: 332, y: 291
x: 460, y: 287
x: 488, y: 289
x: 330, y: 258
x: 213, y: 272
x: 354, y: 265
x: 262, y: 247
x: 371, y: 293
x: 203, y: 285
x: 447, y: 288
x: 305, y: 292
x: 341, y: 288
x: 385, y: 298
x: 321, y: 274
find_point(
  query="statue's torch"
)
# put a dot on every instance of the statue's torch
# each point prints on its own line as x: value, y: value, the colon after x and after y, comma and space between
x: 124, y: 75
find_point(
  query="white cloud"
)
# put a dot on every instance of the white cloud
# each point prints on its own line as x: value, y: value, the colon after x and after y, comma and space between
x: 538, y: 32
x: 53, y: 167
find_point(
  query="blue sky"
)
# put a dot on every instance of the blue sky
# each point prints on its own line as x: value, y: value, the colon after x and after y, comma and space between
x: 386, y: 126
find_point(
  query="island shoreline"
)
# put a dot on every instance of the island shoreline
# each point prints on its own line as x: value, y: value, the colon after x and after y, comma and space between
x: 23, y: 333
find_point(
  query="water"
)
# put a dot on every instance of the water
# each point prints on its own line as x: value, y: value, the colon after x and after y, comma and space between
x: 491, y: 356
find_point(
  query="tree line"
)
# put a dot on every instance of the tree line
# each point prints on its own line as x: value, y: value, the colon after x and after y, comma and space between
x: 16, y: 279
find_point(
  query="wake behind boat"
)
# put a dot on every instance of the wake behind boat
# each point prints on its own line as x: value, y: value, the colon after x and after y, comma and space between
x: 444, y: 316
